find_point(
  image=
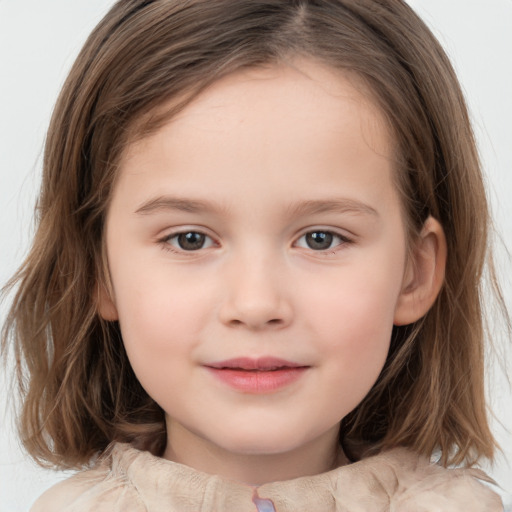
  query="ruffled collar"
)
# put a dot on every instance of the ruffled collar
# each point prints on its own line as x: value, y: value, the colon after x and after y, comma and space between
x: 396, y: 480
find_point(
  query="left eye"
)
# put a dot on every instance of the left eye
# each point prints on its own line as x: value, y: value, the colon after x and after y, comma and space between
x: 189, y: 241
x: 320, y: 240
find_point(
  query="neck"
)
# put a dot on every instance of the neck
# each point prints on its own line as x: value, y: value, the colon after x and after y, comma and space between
x: 318, y: 456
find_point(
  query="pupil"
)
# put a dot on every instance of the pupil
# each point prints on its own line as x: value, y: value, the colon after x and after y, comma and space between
x: 191, y: 241
x: 319, y: 240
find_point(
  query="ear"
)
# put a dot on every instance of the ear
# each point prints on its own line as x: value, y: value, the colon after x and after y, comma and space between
x: 424, y: 274
x: 105, y: 303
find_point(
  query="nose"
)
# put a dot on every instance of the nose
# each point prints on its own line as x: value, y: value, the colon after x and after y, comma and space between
x: 256, y: 295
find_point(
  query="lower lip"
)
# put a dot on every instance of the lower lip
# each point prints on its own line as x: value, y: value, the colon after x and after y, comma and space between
x: 258, y: 382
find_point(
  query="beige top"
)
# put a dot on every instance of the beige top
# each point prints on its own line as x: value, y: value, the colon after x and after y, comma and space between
x: 129, y: 480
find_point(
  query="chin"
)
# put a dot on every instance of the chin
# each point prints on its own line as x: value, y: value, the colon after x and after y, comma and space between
x: 264, y: 441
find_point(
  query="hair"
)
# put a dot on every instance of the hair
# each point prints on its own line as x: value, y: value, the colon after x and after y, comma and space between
x: 79, y: 391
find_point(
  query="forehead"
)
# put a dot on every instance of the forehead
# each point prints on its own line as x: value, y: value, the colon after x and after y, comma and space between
x: 305, y: 89
x: 300, y: 127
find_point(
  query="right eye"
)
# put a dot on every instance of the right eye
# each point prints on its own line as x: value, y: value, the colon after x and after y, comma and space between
x: 188, y: 241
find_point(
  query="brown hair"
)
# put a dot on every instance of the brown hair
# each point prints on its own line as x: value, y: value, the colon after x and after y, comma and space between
x: 79, y: 391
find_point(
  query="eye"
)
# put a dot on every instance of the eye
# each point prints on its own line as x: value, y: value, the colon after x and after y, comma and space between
x: 189, y: 241
x: 321, y: 240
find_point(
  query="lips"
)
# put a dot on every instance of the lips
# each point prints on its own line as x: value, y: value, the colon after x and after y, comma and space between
x: 263, y: 364
x: 262, y: 375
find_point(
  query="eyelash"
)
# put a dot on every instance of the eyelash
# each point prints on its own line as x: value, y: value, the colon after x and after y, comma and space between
x: 167, y: 245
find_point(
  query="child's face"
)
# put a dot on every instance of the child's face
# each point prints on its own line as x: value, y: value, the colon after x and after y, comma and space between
x: 261, y: 222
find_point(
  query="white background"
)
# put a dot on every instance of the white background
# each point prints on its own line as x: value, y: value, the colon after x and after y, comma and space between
x: 38, y: 42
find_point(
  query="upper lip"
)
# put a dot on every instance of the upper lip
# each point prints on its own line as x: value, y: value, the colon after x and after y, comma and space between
x: 260, y: 363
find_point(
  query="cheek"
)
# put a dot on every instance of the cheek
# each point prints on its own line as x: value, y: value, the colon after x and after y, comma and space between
x: 160, y: 319
x: 154, y: 298
x: 354, y: 341
x: 159, y: 336
x: 353, y: 315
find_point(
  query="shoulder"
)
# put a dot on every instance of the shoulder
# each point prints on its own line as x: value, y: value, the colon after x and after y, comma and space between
x: 99, y: 489
x: 61, y: 495
x: 416, y: 483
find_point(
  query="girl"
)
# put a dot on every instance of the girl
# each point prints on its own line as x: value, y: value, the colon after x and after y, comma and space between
x: 255, y: 283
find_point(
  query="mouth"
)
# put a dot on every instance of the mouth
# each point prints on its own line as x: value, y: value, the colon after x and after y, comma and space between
x: 257, y: 376
x: 262, y: 364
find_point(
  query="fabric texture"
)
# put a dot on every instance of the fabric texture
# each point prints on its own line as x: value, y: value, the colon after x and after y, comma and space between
x: 129, y: 480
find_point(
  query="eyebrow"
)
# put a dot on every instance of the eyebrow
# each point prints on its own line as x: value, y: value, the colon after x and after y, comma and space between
x: 342, y: 205
x: 175, y: 203
x: 310, y: 207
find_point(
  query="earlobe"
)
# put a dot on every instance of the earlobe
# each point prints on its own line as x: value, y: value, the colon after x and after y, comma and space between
x: 105, y: 304
x: 424, y: 275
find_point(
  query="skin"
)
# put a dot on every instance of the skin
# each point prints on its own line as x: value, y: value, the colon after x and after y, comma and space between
x: 259, y: 160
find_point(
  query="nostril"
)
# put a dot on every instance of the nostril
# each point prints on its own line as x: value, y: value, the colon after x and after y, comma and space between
x: 274, y: 321
x: 255, y: 313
